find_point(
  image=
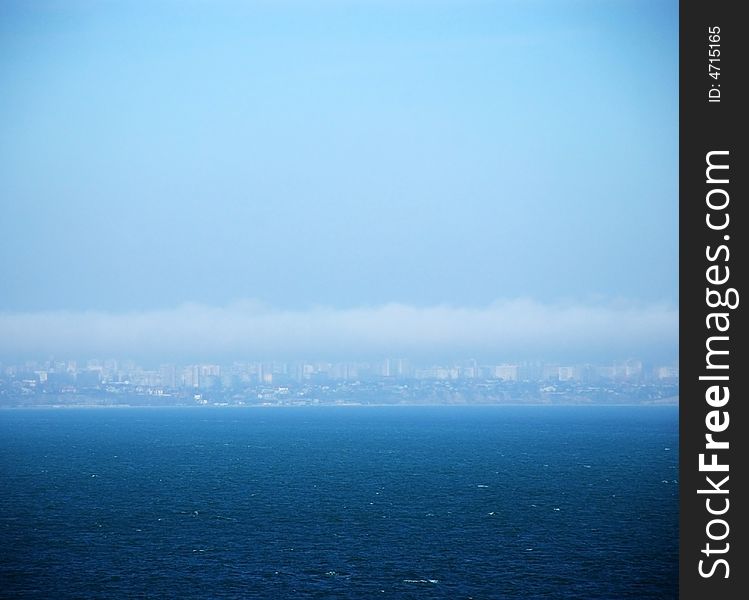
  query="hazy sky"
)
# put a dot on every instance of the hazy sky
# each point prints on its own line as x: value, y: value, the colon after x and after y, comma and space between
x: 272, y: 162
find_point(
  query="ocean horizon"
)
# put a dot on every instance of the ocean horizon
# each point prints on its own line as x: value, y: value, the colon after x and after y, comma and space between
x: 331, y: 502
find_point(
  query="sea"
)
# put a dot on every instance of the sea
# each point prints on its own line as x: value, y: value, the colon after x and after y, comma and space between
x: 344, y: 502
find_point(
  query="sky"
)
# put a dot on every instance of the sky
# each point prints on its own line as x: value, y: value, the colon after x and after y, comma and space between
x: 330, y: 178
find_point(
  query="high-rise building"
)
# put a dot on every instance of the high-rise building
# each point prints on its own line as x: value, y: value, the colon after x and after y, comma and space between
x: 506, y: 372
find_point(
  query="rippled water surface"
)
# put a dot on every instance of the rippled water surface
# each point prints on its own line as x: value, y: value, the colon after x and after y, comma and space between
x: 344, y: 502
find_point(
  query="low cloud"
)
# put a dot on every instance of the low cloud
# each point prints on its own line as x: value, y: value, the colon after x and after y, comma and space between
x: 505, y: 330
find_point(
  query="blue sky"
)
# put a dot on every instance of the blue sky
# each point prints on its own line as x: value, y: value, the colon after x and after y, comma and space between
x: 345, y: 156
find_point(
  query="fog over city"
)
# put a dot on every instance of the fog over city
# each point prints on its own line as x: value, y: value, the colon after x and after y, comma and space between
x: 518, y: 329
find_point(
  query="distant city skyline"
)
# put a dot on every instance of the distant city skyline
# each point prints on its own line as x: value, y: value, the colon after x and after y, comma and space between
x: 113, y: 369
x: 111, y: 382
x: 184, y: 180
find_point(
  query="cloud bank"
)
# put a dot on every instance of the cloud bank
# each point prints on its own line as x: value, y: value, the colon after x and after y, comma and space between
x: 505, y: 330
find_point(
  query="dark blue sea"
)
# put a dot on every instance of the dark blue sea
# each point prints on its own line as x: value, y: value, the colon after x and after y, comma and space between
x: 340, y: 502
